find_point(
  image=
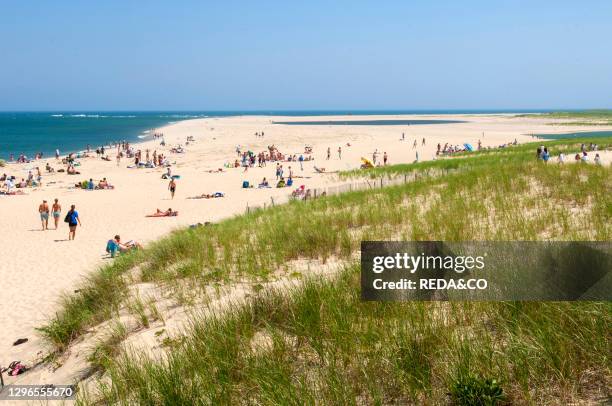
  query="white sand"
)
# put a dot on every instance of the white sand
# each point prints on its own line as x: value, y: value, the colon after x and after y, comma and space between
x: 39, y: 266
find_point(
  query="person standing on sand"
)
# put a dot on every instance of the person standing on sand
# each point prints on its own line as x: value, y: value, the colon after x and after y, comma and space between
x: 56, y: 210
x: 385, y: 157
x: 43, y: 209
x: 172, y: 187
x: 328, y: 153
x: 339, y: 152
x: 73, y: 220
x: 415, y: 144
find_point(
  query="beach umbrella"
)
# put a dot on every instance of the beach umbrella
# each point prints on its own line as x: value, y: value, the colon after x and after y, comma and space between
x: 469, y: 147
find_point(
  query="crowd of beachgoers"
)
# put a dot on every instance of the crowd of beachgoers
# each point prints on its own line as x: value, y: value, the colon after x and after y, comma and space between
x: 544, y: 154
x: 287, y: 167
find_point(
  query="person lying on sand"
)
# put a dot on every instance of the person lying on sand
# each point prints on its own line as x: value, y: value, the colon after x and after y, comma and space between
x: 115, y: 245
x: 216, y: 170
x: 160, y: 213
x: 208, y: 196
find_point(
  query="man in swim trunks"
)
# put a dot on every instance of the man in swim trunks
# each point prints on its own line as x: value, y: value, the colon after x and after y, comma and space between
x: 43, y: 209
x: 56, y: 210
x: 72, y: 218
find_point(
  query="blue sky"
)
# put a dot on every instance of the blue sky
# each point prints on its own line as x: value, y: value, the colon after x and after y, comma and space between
x: 212, y: 55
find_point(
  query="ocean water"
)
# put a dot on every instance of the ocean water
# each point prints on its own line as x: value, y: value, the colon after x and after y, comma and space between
x: 29, y: 133
x: 32, y: 132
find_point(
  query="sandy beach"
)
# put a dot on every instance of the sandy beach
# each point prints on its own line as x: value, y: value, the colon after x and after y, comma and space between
x: 37, y: 267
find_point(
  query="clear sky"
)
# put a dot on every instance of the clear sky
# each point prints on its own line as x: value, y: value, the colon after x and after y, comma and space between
x: 215, y: 55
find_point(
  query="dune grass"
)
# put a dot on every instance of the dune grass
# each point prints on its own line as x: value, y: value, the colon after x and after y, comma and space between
x: 581, y: 118
x: 493, y: 195
x: 321, y: 344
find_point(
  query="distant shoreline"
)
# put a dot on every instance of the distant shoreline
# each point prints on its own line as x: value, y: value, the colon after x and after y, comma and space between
x: 72, y: 131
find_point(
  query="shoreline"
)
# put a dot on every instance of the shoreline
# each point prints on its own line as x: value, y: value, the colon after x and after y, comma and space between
x: 178, y: 116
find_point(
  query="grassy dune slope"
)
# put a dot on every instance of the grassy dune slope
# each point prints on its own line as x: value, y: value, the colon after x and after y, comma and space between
x: 320, y: 344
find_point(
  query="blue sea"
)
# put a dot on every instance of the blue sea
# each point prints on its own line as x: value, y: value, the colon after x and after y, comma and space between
x: 32, y: 132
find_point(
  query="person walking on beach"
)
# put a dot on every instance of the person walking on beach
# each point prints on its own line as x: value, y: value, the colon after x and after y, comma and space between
x: 415, y: 144
x: 278, y: 171
x: 73, y: 220
x: 43, y: 209
x: 423, y: 141
x: 56, y: 210
x: 403, y: 136
x: 385, y: 157
x: 172, y: 187
x: 339, y: 152
x: 328, y: 153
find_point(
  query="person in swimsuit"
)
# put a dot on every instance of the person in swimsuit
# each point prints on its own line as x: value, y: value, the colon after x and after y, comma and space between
x: 72, y: 218
x: 43, y: 209
x: 56, y: 210
x: 172, y: 187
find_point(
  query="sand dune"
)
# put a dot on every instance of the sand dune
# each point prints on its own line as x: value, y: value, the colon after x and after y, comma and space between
x: 37, y: 267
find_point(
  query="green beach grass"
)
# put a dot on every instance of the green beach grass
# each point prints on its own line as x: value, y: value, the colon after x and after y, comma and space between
x: 321, y: 344
x: 579, y: 118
